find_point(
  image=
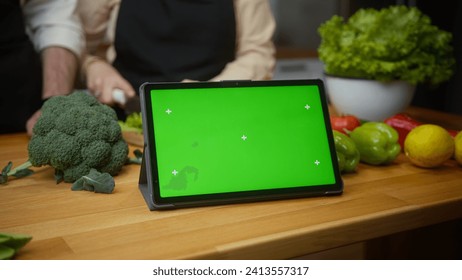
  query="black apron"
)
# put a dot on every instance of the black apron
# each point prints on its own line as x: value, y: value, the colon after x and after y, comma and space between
x: 20, y: 70
x: 172, y: 40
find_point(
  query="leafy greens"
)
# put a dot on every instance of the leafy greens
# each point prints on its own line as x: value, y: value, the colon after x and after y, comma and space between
x: 395, y: 43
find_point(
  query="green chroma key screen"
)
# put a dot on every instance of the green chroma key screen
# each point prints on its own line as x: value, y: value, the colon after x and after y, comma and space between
x: 237, y: 139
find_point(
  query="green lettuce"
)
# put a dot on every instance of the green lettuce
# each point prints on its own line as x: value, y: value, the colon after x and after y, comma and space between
x: 395, y: 43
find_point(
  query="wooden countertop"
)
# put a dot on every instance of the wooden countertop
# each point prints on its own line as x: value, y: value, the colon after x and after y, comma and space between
x: 377, y: 201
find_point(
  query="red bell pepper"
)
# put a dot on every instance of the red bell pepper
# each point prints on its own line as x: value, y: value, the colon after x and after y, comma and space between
x: 403, y: 123
x: 344, y: 124
x: 452, y: 132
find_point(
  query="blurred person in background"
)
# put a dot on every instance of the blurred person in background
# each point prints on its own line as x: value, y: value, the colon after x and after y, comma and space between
x: 132, y: 42
x: 40, y: 45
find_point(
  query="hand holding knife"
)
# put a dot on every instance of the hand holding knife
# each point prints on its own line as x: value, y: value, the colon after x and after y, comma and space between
x: 130, y: 105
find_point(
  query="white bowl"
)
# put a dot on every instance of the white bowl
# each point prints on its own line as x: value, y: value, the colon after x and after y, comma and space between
x: 368, y: 99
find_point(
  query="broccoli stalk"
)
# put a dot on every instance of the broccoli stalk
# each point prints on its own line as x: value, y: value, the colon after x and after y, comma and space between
x: 18, y: 172
x: 93, y: 181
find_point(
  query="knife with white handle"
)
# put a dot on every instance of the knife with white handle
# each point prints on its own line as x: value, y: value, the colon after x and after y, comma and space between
x: 119, y: 96
x: 130, y: 105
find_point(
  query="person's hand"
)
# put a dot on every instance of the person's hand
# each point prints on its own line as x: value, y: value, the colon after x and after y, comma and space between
x: 103, y: 79
x: 32, y: 121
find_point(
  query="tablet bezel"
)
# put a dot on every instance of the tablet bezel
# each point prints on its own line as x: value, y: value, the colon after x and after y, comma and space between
x: 149, y: 184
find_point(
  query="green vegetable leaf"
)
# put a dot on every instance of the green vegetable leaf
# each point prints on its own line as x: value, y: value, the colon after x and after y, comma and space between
x: 7, y: 168
x: 18, y: 172
x: 3, y: 179
x: 394, y: 43
x: 59, y: 176
x: 4, y: 174
x: 96, y: 182
x: 22, y: 173
x: 132, y: 123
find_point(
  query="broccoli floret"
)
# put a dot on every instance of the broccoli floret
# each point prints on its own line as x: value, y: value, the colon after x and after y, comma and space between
x: 119, y: 152
x: 75, y: 172
x: 97, y: 153
x: 76, y: 133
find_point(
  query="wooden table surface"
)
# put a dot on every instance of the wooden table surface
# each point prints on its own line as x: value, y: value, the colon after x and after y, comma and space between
x: 377, y: 201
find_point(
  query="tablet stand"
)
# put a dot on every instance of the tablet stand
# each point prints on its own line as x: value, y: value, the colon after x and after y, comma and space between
x: 143, y: 182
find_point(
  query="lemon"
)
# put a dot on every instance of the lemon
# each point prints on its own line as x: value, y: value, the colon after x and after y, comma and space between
x: 429, y: 145
x: 458, y: 148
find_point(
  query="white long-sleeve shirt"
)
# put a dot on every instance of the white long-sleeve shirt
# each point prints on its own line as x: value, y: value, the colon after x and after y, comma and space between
x: 54, y: 23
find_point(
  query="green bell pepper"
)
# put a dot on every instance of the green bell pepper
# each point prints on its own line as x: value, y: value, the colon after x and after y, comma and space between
x: 347, y: 153
x: 377, y: 143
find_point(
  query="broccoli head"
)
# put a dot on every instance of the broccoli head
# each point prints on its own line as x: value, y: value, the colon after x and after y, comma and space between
x: 76, y: 133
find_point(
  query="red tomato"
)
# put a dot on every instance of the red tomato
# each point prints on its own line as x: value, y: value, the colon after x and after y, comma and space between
x: 344, y: 124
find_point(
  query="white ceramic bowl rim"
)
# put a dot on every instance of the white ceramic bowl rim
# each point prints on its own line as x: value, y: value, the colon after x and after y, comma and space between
x: 368, y: 99
x: 361, y: 79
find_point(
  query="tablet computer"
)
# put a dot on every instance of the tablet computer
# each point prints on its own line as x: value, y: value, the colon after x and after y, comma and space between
x: 209, y: 143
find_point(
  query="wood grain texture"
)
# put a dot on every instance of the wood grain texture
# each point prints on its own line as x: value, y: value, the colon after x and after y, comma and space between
x: 377, y: 201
